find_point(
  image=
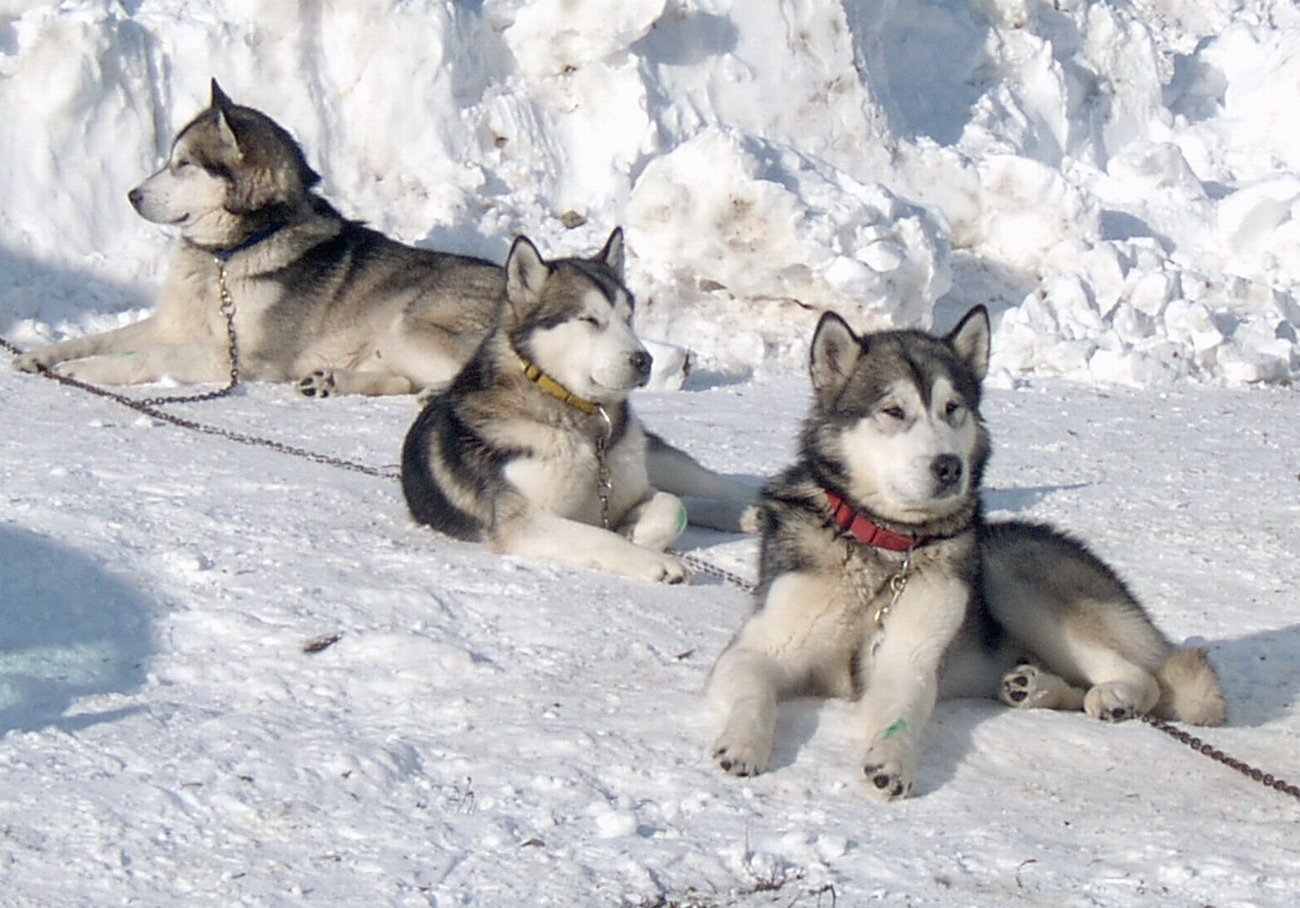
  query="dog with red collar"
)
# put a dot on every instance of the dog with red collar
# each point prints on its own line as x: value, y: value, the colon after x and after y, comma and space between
x: 880, y: 581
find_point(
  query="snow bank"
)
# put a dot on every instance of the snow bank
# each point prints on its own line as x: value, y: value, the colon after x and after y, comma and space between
x: 1117, y: 179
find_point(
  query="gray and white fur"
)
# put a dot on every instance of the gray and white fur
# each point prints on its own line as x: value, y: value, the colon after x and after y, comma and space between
x: 1011, y: 610
x: 497, y: 458
x: 318, y: 299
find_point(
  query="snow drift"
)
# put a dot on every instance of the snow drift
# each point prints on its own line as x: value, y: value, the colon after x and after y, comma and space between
x: 1116, y: 179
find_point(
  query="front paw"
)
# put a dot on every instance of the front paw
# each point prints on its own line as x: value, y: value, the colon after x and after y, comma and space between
x: 31, y: 363
x: 889, y: 770
x: 665, y: 569
x: 319, y: 384
x: 742, y: 754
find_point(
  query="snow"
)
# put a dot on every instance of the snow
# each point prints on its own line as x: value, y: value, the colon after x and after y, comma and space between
x: 1119, y: 180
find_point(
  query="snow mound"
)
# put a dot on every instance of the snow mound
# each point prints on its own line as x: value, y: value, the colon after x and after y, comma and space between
x: 1116, y: 179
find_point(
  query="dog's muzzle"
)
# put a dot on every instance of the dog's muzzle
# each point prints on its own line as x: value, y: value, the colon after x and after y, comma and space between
x: 641, y: 361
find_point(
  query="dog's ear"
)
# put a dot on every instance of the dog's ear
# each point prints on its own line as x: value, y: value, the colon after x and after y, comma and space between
x: 220, y: 100
x: 526, y: 274
x: 222, y: 104
x: 612, y: 254
x: 835, y: 351
x: 971, y: 341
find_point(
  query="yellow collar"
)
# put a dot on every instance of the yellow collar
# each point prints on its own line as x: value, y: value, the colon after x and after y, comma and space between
x: 557, y: 390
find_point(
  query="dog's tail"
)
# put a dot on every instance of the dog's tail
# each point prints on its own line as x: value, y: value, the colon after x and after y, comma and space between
x: 1189, y: 690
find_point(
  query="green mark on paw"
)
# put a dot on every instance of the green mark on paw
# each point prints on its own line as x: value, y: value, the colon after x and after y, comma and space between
x: 896, y: 729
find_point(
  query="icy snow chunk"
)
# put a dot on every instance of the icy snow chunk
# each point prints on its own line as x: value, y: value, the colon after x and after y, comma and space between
x: 550, y: 37
x: 1150, y: 292
x: 1032, y: 219
x: 714, y: 212
x: 1104, y: 273
x: 1160, y: 165
x: 1249, y: 218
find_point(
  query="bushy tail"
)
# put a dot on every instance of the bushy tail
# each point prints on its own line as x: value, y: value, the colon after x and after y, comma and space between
x: 1189, y: 690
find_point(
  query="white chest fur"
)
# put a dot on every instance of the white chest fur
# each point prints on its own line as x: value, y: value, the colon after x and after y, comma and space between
x: 563, y: 473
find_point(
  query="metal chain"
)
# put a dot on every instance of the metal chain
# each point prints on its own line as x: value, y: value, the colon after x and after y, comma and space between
x: 1267, y: 779
x: 227, y: 311
x: 149, y: 407
x: 697, y: 565
x: 604, y: 481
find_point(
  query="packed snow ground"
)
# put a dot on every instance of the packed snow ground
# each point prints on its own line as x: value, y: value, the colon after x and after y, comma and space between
x: 506, y: 732
x: 1117, y: 179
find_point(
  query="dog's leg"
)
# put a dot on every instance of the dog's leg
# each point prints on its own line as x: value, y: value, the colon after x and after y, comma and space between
x: 331, y: 382
x: 185, y: 363
x: 719, y: 502
x: 555, y: 538
x: 745, y: 686
x: 130, y: 339
x: 782, y: 648
x: 1126, y: 691
x: 901, y: 680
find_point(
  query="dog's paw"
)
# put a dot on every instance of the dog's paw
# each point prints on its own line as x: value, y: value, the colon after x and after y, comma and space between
x: 889, y: 770
x: 1112, y: 701
x: 751, y: 520
x: 668, y: 569
x: 741, y: 755
x: 1028, y: 686
x: 319, y: 384
x: 30, y: 363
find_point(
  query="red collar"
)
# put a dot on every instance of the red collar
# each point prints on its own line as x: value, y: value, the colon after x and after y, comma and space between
x: 866, y: 532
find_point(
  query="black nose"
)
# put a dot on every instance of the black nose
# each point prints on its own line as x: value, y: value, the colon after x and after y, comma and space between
x: 947, y: 469
x: 134, y: 197
x: 641, y: 361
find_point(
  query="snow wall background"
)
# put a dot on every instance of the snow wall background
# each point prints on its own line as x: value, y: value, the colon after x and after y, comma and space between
x: 1119, y: 180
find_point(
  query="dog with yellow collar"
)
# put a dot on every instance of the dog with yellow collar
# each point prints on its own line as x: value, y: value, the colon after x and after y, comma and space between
x: 534, y: 448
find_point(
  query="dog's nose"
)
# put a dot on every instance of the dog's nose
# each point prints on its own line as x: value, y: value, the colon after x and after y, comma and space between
x: 946, y: 468
x: 641, y: 362
x: 134, y: 197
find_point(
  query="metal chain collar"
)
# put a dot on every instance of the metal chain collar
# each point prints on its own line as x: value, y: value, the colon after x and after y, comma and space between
x: 149, y: 407
x: 604, y: 481
x: 226, y: 309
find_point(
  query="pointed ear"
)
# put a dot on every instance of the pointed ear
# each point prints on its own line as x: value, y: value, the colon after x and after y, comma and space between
x: 835, y: 351
x: 220, y: 99
x: 526, y: 274
x: 971, y: 341
x: 612, y: 254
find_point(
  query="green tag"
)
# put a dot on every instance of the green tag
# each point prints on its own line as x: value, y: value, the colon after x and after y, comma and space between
x: 682, y: 519
x: 896, y: 729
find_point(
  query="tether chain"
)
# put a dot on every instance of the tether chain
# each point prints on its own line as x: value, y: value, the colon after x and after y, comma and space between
x: 697, y: 565
x: 1267, y: 779
x: 227, y: 310
x: 149, y: 407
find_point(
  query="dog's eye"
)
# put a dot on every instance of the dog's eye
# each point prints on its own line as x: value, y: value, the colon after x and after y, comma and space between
x: 591, y: 320
x: 894, y: 412
x: 182, y: 165
x: 952, y: 409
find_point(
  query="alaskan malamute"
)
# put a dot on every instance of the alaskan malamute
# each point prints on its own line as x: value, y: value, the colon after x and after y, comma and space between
x: 880, y: 581
x: 534, y: 448
x: 318, y: 300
